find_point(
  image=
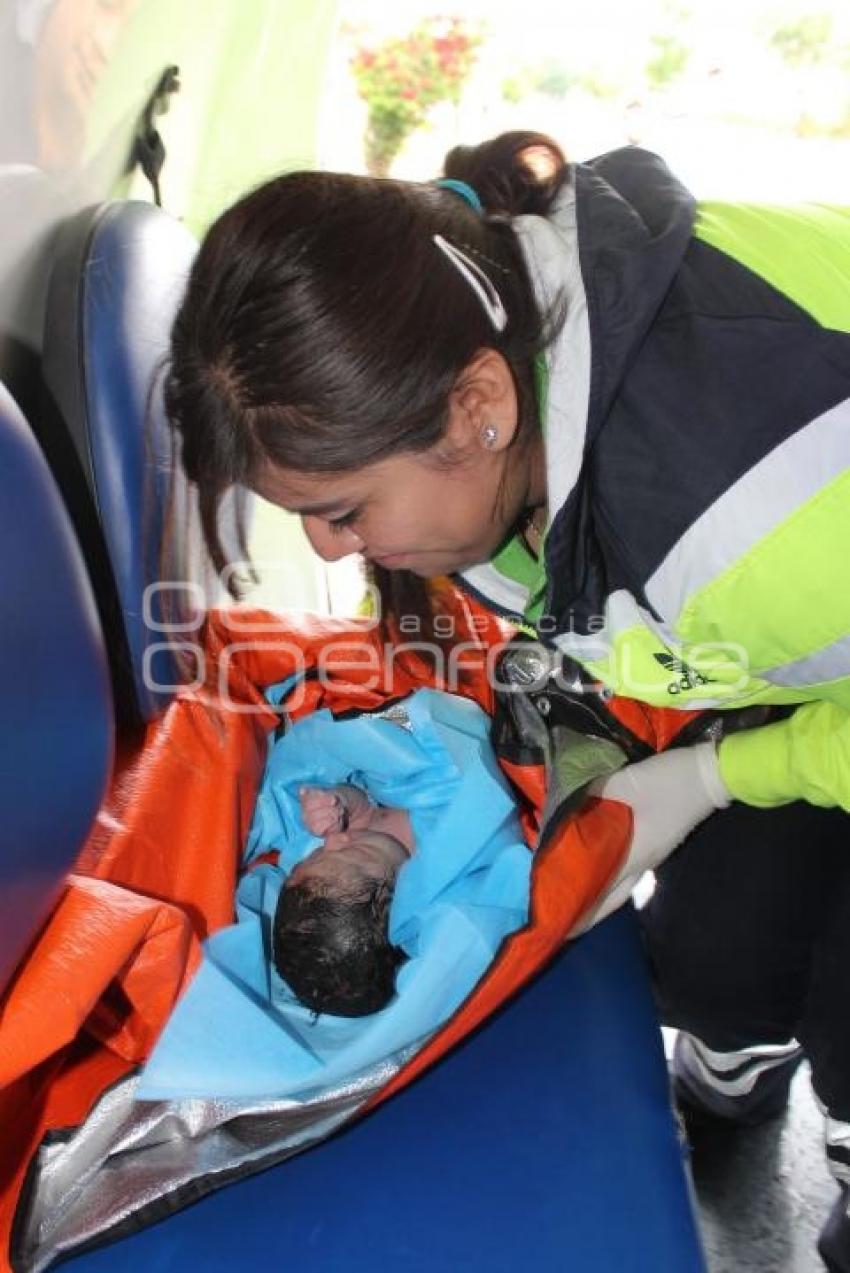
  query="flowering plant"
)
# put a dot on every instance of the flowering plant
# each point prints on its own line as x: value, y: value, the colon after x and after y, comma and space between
x: 402, y: 78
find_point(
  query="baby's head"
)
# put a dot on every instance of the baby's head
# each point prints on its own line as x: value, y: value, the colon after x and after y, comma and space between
x: 330, y: 938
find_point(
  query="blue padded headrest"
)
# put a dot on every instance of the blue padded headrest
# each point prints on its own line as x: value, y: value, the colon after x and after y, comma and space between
x: 119, y: 274
x: 56, y: 723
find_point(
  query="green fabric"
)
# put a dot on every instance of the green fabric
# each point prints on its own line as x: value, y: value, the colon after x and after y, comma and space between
x: 784, y: 600
x: 802, y: 251
x: 806, y: 757
x: 796, y: 575
x: 637, y: 664
x: 515, y: 561
x: 537, y: 582
x: 787, y: 598
x: 577, y: 760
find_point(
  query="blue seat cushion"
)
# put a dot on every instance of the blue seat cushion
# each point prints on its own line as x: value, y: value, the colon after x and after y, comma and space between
x: 544, y: 1142
x: 119, y: 274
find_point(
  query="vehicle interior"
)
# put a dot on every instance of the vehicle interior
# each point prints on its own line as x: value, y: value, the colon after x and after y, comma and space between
x: 535, y: 1128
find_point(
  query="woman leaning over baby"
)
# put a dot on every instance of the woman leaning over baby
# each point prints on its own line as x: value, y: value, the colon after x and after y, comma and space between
x: 621, y: 419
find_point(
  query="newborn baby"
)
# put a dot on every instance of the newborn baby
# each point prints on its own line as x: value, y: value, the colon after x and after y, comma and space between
x: 330, y: 938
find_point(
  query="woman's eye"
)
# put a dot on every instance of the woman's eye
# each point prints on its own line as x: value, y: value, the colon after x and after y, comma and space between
x: 340, y: 523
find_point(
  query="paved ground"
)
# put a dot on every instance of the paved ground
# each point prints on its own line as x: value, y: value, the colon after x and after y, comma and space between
x: 764, y: 1192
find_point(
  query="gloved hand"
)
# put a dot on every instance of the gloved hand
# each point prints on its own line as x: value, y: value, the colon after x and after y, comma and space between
x: 668, y: 794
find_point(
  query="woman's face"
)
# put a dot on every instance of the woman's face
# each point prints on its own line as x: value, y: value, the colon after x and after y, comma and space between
x: 433, y: 512
x: 403, y: 513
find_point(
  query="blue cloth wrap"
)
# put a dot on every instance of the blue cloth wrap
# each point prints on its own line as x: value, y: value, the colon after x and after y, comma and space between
x: 238, y: 1032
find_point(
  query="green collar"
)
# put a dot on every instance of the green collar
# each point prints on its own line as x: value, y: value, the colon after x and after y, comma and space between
x: 514, y: 560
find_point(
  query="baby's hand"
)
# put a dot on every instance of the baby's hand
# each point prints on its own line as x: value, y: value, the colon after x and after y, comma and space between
x: 323, y: 811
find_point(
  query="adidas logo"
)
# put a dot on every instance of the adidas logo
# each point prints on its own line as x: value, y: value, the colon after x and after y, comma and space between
x: 688, y: 679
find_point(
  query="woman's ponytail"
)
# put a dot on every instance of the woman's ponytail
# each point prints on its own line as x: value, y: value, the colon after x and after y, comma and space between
x: 514, y: 173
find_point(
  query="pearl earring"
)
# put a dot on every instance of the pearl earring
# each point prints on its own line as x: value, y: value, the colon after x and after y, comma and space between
x: 489, y: 436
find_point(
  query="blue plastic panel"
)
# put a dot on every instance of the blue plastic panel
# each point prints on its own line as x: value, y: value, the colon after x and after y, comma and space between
x: 544, y: 1143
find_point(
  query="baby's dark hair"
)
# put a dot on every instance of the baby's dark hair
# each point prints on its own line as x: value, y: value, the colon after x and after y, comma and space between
x: 334, y: 951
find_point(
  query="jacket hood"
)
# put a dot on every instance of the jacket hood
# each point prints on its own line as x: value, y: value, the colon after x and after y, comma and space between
x: 626, y: 223
x: 634, y: 221
x: 606, y: 255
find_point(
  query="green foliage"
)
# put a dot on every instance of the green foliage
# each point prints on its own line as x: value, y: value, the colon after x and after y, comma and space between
x: 810, y: 42
x: 401, y: 79
x: 552, y: 78
x: 837, y: 128
x: 515, y: 88
x: 596, y: 84
x: 804, y: 42
x: 668, y: 62
x: 841, y: 129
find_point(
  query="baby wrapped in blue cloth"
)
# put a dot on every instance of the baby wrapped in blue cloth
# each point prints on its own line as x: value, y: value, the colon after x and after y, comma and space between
x: 458, y: 894
x: 330, y: 938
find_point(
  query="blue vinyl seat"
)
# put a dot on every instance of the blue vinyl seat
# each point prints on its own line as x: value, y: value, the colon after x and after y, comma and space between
x: 118, y: 274
x: 545, y: 1142
x: 56, y: 722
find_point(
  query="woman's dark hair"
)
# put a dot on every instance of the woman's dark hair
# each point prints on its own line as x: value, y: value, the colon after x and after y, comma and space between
x: 323, y: 330
x: 333, y: 950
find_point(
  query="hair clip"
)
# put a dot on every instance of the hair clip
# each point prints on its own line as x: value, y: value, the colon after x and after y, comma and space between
x: 478, y: 281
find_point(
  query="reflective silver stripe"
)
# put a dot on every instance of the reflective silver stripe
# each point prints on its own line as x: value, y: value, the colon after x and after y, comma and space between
x: 550, y: 248
x: 496, y: 587
x: 838, y: 1133
x: 721, y: 1062
x: 760, y: 500
x: 591, y: 648
x: 757, y: 1060
x: 622, y: 612
x: 838, y: 1141
x: 741, y: 1085
x: 838, y: 1170
x: 829, y: 664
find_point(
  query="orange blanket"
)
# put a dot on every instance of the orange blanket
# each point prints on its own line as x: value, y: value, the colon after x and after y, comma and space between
x: 158, y: 875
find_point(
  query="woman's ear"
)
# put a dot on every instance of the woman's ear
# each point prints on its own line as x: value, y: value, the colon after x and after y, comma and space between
x: 484, y: 410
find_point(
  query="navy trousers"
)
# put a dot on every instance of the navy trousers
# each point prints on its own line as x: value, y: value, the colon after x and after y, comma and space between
x: 748, y: 933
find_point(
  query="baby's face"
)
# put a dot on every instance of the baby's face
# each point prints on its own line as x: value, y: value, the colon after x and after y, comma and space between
x: 346, y: 857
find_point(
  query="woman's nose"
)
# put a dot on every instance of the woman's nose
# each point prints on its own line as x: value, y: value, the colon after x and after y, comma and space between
x: 332, y: 545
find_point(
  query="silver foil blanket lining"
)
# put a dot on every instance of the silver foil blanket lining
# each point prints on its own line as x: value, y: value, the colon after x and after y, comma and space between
x: 127, y: 1164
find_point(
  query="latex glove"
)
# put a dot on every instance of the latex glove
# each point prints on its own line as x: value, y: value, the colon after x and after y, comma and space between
x: 668, y: 794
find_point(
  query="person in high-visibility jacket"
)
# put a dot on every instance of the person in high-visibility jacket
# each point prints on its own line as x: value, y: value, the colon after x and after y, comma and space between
x: 621, y: 419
